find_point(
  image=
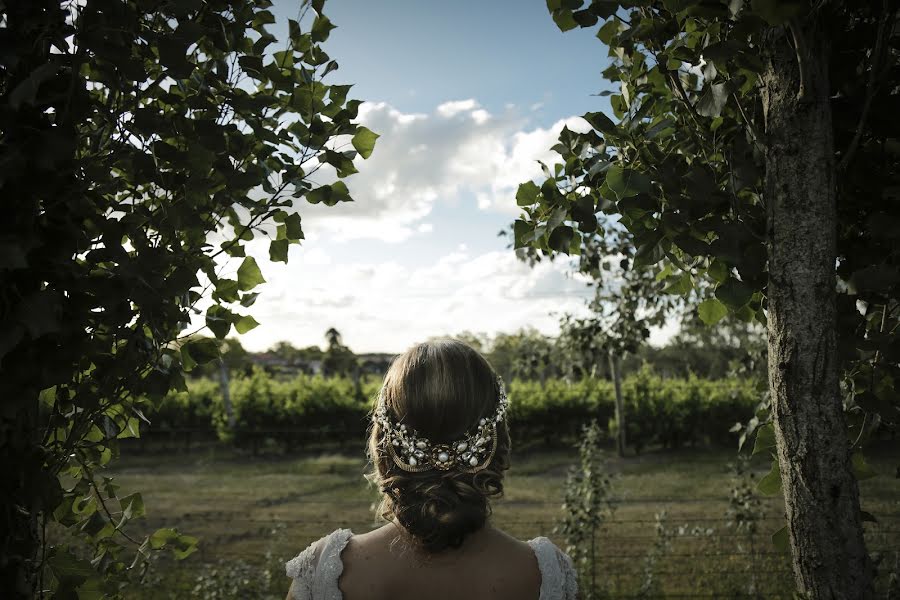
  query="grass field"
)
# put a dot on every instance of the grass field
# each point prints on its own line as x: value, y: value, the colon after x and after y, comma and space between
x: 252, y: 514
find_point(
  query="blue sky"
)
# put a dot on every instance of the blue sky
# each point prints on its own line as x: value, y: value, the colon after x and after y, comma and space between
x: 418, y: 54
x: 466, y: 96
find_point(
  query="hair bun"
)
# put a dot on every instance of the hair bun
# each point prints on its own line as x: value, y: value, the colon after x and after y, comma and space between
x: 441, y: 511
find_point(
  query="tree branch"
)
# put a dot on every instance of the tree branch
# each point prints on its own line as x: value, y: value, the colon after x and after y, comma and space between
x: 802, y: 51
x: 886, y: 18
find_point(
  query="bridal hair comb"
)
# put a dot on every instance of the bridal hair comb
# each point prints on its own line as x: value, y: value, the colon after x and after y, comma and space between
x: 415, y: 453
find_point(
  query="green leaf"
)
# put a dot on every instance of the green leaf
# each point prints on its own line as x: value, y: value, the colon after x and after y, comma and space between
x: 278, y: 250
x: 781, y: 540
x: 200, y: 351
x: 777, y: 12
x: 734, y: 293
x: 226, y: 290
x: 609, y: 29
x: 564, y: 20
x: 245, y: 323
x: 132, y: 428
x: 341, y: 162
x: 321, y: 28
x: 249, y: 275
x: 711, y: 311
x: 26, y: 91
x: 680, y: 285
x: 218, y: 319
x: 132, y: 506
x: 601, y: 123
x: 561, y: 239
x: 765, y: 439
x: 520, y: 230
x: 626, y: 183
x: 249, y: 299
x: 67, y: 567
x: 713, y: 99
x: 557, y: 217
x: 161, y: 537
x: 861, y: 468
x: 718, y: 271
x: 527, y: 193
x: 329, y: 195
x: 770, y: 484
x: 364, y: 141
x: 182, y: 545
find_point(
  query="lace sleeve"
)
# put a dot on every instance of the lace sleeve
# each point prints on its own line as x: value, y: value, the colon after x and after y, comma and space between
x: 316, y: 570
x: 559, y: 580
x: 302, y: 569
x: 570, y: 577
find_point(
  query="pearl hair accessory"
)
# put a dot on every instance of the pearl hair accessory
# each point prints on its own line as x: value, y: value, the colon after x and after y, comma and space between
x: 415, y: 453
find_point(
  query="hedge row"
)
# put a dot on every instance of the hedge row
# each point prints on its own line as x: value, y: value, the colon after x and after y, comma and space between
x: 671, y: 412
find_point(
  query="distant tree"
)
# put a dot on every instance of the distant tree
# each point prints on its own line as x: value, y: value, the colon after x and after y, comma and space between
x: 337, y: 358
x: 311, y: 353
x: 143, y: 144
x: 333, y: 338
x: 286, y: 352
x: 734, y: 347
x: 526, y: 353
x: 477, y: 341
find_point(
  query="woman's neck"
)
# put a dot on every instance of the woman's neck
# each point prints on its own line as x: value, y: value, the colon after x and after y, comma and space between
x: 406, y: 544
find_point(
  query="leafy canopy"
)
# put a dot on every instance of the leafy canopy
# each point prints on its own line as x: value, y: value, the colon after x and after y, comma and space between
x: 145, y: 143
x: 679, y: 165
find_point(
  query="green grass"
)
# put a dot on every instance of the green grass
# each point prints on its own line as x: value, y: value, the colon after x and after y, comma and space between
x: 252, y: 514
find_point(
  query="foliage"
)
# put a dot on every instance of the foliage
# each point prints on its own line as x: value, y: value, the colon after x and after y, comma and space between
x: 744, y: 513
x: 231, y: 353
x: 145, y: 142
x: 304, y: 409
x: 683, y: 169
x: 586, y: 506
x: 735, y: 348
x: 292, y: 356
x: 731, y: 348
x: 662, y: 544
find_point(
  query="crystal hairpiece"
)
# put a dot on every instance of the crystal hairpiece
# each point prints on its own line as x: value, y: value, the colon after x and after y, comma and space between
x: 415, y: 453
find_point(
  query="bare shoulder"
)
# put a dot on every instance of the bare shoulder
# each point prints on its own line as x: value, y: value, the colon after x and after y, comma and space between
x: 518, y: 559
x: 363, y: 559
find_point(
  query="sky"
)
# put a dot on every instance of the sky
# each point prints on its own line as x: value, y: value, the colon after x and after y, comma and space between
x: 467, y: 96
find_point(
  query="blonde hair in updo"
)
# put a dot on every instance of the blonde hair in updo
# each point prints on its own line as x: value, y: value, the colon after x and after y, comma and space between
x: 441, y: 389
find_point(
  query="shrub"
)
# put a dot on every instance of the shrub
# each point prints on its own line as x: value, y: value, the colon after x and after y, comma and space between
x: 306, y: 408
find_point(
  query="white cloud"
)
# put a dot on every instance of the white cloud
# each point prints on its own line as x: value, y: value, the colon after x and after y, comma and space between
x: 458, y: 151
x: 387, y: 306
x: 384, y: 298
x: 454, y: 107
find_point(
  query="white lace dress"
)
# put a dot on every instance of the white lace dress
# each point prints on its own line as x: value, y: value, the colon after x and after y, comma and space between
x: 319, y: 580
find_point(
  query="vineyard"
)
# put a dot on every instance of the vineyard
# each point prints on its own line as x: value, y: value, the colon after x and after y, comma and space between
x: 305, y: 409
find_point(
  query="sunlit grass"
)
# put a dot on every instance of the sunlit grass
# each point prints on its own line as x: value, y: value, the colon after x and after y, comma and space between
x: 264, y: 510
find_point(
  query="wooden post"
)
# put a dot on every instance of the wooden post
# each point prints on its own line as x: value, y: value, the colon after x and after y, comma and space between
x: 226, y: 393
x: 616, y: 375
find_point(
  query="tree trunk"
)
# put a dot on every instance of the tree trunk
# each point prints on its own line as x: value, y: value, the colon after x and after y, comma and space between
x: 820, y: 491
x: 616, y: 375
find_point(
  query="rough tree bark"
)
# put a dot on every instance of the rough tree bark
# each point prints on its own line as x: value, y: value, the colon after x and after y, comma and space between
x: 820, y: 491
